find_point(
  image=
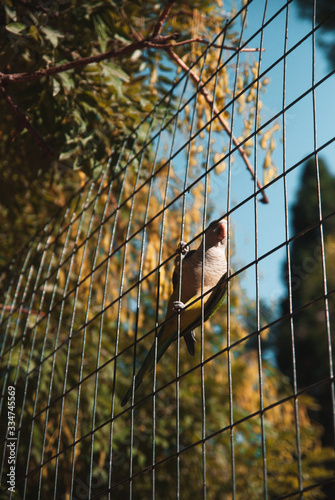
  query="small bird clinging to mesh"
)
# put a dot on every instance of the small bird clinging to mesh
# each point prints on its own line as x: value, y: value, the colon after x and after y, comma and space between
x: 194, y: 286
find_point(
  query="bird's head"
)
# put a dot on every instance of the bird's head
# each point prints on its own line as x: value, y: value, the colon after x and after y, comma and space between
x: 216, y: 233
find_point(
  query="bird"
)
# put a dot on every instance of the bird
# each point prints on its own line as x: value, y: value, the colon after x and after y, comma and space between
x: 203, y: 277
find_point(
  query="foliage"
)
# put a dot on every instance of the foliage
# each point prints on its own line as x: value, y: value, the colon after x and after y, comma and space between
x: 311, y: 337
x: 60, y: 128
x: 96, y: 277
x: 324, y: 15
x: 81, y: 115
x: 307, y: 281
x: 76, y: 383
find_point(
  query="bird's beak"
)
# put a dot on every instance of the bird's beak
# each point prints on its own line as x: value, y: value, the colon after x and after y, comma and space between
x: 221, y: 230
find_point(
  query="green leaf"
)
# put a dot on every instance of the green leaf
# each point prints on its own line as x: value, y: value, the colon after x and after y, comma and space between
x: 56, y: 87
x: 67, y: 154
x: 52, y: 35
x: 114, y: 71
x: 16, y: 28
x: 66, y: 80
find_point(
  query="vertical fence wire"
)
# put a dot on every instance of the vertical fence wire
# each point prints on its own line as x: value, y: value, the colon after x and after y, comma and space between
x: 119, y: 315
x: 167, y: 183
x: 68, y: 350
x: 89, y: 298
x: 183, y: 210
x: 321, y: 229
x: 94, y: 409
x: 112, y: 239
x: 229, y: 352
x: 288, y: 259
x: 204, y: 223
x: 258, y: 322
x: 137, y: 311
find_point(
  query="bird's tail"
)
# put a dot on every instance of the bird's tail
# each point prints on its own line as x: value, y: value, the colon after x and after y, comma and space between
x: 149, y: 363
x: 145, y: 369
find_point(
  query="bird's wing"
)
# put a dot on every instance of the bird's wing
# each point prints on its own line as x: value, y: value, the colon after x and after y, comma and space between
x: 213, y: 301
x: 175, y: 275
x: 216, y: 297
x: 189, y: 337
x: 190, y: 318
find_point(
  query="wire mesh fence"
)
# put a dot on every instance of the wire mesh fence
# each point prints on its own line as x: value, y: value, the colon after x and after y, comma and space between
x: 252, y: 413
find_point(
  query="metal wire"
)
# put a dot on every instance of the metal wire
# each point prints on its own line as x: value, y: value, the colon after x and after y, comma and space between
x: 258, y: 315
x: 322, y: 239
x: 51, y: 307
x: 289, y: 274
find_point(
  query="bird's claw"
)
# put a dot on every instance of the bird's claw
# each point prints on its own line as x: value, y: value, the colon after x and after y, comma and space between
x: 178, y: 305
x: 183, y: 248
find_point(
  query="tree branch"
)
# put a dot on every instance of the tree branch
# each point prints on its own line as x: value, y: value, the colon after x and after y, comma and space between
x: 157, y: 41
x: 223, y: 122
x: 141, y: 43
x: 200, y: 40
x: 110, y: 54
x: 136, y: 35
x: 24, y: 310
x: 162, y: 18
x: 237, y: 49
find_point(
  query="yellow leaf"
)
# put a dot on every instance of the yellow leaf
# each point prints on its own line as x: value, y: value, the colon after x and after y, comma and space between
x: 33, y: 31
x: 221, y: 167
x: 263, y: 142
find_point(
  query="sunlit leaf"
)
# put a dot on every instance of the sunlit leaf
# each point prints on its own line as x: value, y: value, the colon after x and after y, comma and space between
x: 16, y: 28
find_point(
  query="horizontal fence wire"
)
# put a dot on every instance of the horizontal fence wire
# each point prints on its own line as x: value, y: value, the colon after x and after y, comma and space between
x: 85, y: 299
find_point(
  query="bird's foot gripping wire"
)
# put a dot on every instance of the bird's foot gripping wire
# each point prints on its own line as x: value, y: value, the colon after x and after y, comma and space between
x: 178, y: 306
x: 189, y: 337
x: 183, y: 248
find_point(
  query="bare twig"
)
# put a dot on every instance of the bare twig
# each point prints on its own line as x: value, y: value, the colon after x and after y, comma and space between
x: 78, y: 63
x: 141, y: 43
x: 24, y: 310
x: 152, y: 42
x: 223, y: 122
x: 162, y: 18
x: 136, y: 35
x: 237, y: 49
x: 200, y: 40
x: 157, y: 41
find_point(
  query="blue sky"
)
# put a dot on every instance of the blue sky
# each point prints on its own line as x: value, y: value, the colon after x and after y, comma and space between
x: 299, y: 142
